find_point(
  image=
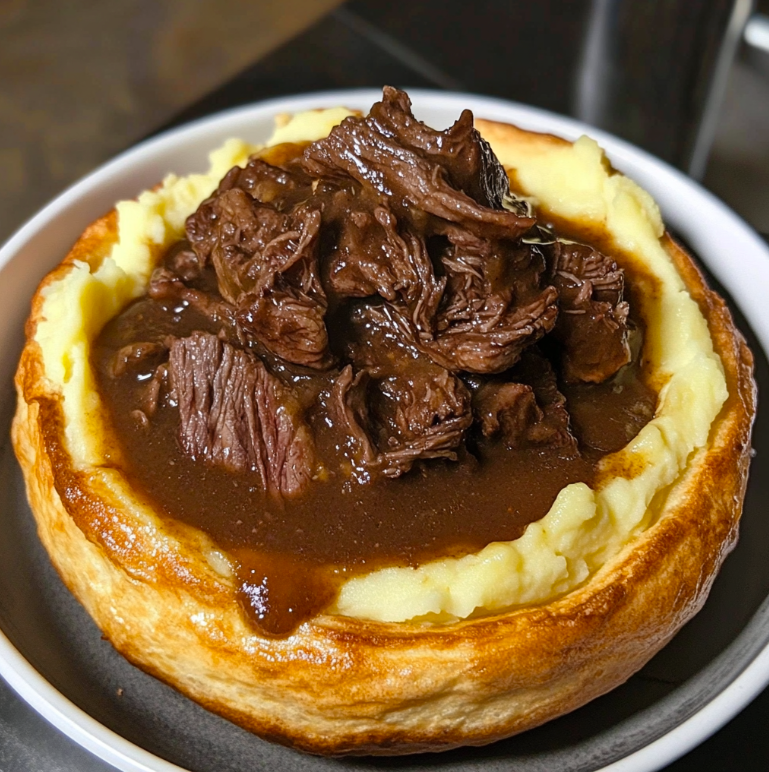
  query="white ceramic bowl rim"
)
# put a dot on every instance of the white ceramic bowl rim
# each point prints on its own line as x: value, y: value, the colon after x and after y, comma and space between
x: 711, y: 229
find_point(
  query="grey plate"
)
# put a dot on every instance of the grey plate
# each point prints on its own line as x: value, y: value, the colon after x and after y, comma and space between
x: 55, y: 635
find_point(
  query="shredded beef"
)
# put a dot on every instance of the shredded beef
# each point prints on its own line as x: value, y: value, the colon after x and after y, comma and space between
x: 266, y: 183
x: 380, y: 301
x: 255, y: 242
x: 409, y: 243
x: 289, y: 322
x: 489, y: 341
x: 420, y: 418
x: 233, y: 413
x: 405, y: 408
x: 492, y: 341
x: 468, y: 159
x: 494, y: 306
x: 382, y: 152
x: 349, y: 411
x: 261, y: 182
x: 266, y: 266
x: 376, y: 256
x: 592, y: 326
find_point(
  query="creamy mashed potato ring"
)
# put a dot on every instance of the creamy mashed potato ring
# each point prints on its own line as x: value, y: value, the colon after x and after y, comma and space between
x: 584, y: 528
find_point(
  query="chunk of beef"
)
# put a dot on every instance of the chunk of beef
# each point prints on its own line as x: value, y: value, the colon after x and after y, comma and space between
x: 405, y: 407
x: 468, y: 159
x: 380, y: 340
x: 379, y: 152
x: 494, y: 305
x: 592, y: 326
x: 169, y: 286
x: 527, y: 412
x: 361, y: 264
x: 151, y: 391
x: 419, y: 417
x: 373, y: 256
x: 142, y: 356
x: 282, y: 189
x: 413, y: 419
x: 255, y: 242
x: 144, y: 364
x: 182, y: 261
x: 267, y: 183
x: 506, y: 408
x: 349, y: 412
x: 289, y: 322
x: 262, y: 256
x: 493, y: 340
x: 234, y: 414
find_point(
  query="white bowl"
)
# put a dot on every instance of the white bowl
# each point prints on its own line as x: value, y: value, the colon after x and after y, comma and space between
x: 59, y: 660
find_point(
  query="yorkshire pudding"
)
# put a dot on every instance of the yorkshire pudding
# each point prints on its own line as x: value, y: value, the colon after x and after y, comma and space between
x: 460, y: 651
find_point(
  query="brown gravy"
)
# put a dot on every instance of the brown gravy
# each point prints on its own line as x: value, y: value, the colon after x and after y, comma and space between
x: 301, y: 549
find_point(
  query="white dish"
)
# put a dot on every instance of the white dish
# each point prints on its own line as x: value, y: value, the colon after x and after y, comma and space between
x: 653, y: 732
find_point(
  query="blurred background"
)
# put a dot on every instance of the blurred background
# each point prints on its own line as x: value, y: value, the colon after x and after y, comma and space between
x: 82, y: 80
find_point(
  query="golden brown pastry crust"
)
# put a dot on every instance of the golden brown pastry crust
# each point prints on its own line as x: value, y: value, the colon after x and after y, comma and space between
x: 341, y: 685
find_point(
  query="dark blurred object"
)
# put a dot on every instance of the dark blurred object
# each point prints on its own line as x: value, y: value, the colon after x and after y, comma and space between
x: 654, y: 72
x: 757, y: 33
x: 517, y: 50
x: 651, y: 71
x: 738, y: 169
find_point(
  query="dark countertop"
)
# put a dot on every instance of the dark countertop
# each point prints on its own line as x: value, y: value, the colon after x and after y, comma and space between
x: 429, y: 45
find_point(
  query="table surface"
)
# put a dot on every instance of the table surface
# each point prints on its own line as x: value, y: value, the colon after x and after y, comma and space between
x: 368, y: 44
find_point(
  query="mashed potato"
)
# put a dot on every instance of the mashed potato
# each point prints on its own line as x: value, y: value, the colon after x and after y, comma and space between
x: 584, y: 527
